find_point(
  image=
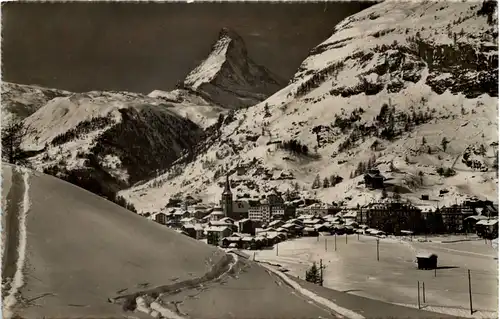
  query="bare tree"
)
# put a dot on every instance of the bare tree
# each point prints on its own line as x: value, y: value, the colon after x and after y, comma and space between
x: 12, y: 136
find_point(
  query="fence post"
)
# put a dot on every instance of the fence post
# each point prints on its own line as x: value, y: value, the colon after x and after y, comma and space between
x: 346, y: 238
x: 418, y: 293
x: 423, y: 290
x: 335, y: 241
x: 326, y: 244
x: 470, y: 293
x: 254, y: 255
x: 435, y: 271
x: 277, y: 247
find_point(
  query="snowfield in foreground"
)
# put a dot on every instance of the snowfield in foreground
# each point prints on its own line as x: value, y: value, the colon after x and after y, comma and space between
x: 353, y: 268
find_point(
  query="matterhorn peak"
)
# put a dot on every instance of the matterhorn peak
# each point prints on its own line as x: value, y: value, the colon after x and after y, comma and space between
x: 229, y: 77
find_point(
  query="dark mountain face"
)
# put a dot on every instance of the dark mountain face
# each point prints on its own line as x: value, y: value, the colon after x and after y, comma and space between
x: 229, y: 77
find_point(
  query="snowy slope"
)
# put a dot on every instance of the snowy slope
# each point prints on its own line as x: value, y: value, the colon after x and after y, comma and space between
x: 391, y: 84
x: 229, y: 77
x: 20, y: 101
x: 105, y: 141
x: 191, y: 105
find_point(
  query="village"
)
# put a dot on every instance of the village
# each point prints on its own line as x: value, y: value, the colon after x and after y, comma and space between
x: 262, y: 223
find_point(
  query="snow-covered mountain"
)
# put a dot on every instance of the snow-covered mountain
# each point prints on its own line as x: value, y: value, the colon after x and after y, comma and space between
x: 191, y: 105
x: 106, y: 141
x: 229, y: 77
x: 20, y: 101
x: 407, y: 87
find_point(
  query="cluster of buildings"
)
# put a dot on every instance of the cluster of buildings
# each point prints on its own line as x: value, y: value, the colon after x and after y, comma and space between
x: 262, y: 222
x: 470, y: 216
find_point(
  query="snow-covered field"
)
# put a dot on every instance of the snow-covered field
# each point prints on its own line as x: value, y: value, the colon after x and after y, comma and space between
x: 353, y: 268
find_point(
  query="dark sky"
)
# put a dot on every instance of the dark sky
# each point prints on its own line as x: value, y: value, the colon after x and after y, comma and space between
x: 142, y: 47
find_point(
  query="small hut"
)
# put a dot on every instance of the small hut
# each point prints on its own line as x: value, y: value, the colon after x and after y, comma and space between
x: 427, y: 261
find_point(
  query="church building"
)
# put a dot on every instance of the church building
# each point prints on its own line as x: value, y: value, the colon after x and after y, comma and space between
x: 234, y: 209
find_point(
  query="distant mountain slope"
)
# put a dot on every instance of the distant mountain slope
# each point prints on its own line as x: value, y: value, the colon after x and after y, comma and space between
x: 407, y: 87
x: 20, y: 101
x: 190, y: 105
x: 105, y: 141
x: 229, y: 77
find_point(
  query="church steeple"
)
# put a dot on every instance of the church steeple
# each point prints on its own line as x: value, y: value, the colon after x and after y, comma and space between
x: 227, y: 188
x: 227, y: 199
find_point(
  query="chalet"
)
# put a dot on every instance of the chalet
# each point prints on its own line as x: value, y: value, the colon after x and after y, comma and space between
x: 320, y: 228
x: 351, y: 223
x: 180, y: 231
x: 200, y: 211
x: 189, y: 230
x: 216, y: 233
x: 250, y: 243
x: 246, y: 226
x: 350, y: 215
x: 293, y: 229
x: 194, y: 231
x: 221, y: 223
x: 227, y: 241
x: 227, y: 220
x: 427, y: 261
x: 180, y: 214
x: 309, y: 231
x: 276, y: 223
x: 317, y: 209
x: 471, y: 221
x: 487, y: 228
x: 339, y: 229
x: 373, y: 179
x: 188, y: 220
x: 160, y: 218
x: 216, y: 214
x: 295, y: 221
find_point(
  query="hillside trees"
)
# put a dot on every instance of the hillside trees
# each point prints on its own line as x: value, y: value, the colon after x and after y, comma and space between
x: 12, y: 136
x: 446, y: 172
x: 316, y: 183
x: 295, y: 147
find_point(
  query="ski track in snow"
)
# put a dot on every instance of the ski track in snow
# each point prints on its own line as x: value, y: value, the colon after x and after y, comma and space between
x: 18, y: 280
x: 156, y: 307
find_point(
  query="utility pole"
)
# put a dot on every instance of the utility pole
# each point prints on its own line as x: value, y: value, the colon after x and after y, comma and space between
x: 326, y: 244
x: 321, y: 272
x: 470, y: 293
x: 378, y: 258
